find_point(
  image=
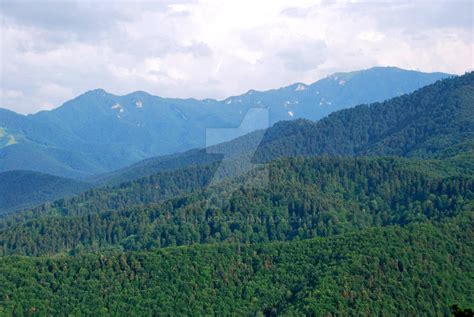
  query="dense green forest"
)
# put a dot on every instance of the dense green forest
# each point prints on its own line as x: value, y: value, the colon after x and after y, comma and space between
x: 302, y: 198
x: 416, y: 270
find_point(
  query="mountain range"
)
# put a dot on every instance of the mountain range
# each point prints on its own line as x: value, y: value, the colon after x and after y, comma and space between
x: 436, y: 121
x: 99, y: 132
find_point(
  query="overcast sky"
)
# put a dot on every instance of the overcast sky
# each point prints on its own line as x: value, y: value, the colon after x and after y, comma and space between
x: 54, y: 51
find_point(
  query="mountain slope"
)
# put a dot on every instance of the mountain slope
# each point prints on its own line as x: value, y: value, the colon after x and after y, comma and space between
x: 416, y: 270
x: 325, y: 233
x: 23, y: 189
x: 434, y: 121
x: 302, y: 198
x: 99, y: 132
x: 236, y: 150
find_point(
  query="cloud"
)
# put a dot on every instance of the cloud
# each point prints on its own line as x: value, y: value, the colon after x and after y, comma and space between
x: 371, y: 36
x: 52, y: 51
x: 304, y: 55
x: 64, y: 20
x: 298, y: 12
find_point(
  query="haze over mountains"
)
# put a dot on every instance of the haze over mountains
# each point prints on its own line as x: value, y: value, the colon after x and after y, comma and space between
x: 99, y: 132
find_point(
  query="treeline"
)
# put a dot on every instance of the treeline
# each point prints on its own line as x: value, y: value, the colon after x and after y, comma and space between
x: 288, y: 199
x: 416, y: 270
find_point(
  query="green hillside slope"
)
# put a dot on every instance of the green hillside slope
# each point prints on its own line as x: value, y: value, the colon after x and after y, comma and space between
x: 416, y: 270
x: 302, y: 198
x: 435, y: 121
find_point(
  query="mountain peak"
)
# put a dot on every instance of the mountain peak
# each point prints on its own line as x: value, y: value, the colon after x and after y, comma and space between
x: 138, y: 93
x: 381, y: 70
x: 98, y: 91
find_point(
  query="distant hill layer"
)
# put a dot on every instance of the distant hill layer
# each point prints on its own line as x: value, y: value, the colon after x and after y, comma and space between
x: 99, y: 132
x: 23, y: 189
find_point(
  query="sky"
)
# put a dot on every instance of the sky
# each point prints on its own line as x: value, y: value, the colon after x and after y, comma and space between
x: 53, y: 51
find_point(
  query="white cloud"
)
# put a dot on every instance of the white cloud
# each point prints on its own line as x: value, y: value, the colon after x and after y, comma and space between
x: 12, y: 93
x: 211, y: 48
x: 371, y: 36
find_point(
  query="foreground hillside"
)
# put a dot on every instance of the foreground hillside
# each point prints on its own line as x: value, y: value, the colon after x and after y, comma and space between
x: 416, y: 270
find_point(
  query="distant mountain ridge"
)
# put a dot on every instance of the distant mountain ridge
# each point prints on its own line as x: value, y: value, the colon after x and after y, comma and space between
x: 435, y: 122
x: 99, y: 132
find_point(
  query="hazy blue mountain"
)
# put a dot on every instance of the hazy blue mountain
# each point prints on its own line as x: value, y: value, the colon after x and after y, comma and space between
x: 435, y: 122
x: 99, y: 132
x: 23, y: 189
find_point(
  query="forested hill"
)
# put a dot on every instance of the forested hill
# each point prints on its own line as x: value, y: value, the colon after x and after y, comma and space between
x: 419, y: 270
x: 302, y: 198
x: 324, y: 233
x: 435, y: 121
